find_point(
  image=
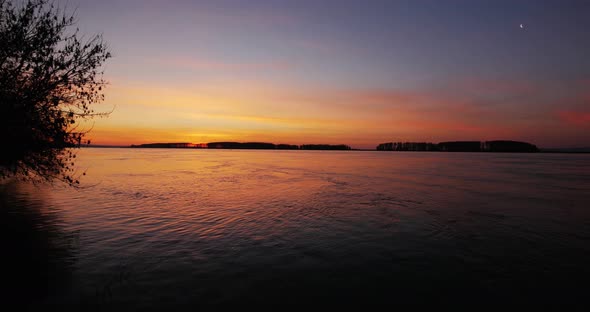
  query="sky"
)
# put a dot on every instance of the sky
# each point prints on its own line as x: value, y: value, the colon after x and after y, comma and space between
x: 343, y: 72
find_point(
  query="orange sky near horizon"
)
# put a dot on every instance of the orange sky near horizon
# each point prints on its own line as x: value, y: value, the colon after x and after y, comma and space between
x: 144, y: 113
x: 342, y: 72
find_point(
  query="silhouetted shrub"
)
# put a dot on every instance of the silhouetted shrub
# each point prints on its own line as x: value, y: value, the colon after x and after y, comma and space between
x: 49, y: 79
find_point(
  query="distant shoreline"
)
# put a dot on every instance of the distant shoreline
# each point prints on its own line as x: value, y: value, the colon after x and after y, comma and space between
x: 246, y: 145
x: 541, y: 150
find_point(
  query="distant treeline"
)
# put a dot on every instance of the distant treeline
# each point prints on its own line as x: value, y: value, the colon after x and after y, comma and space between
x: 461, y: 146
x: 247, y: 145
x: 165, y: 145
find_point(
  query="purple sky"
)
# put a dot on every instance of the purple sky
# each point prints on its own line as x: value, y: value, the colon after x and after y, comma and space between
x: 353, y: 72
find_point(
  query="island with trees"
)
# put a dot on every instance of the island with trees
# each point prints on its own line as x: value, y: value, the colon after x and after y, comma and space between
x: 247, y: 145
x: 505, y: 146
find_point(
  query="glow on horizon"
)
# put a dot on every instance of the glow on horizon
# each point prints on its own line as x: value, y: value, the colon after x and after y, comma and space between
x: 361, y: 118
x: 274, y: 72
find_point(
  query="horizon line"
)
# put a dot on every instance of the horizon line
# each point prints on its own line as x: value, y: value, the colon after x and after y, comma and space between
x: 203, y: 145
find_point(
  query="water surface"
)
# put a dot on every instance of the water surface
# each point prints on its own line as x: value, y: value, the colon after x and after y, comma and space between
x: 159, y: 227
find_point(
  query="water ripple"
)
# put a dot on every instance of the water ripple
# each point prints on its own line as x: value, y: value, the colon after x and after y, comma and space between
x: 203, y: 226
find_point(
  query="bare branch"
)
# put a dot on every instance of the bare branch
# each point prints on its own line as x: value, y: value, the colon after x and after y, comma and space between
x: 50, y: 77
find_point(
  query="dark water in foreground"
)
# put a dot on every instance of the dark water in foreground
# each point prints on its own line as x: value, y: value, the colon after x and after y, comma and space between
x: 170, y: 228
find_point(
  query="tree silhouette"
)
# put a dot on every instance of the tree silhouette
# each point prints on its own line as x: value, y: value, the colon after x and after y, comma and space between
x: 49, y: 79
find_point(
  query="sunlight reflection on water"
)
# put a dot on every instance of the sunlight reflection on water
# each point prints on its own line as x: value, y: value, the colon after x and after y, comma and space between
x: 215, y: 226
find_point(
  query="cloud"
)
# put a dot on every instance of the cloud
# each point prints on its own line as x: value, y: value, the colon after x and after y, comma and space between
x: 486, y: 86
x: 204, y: 64
x: 575, y: 118
x: 361, y: 116
x: 574, y: 109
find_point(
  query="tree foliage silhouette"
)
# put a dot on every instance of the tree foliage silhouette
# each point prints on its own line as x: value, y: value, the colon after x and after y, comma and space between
x: 49, y: 79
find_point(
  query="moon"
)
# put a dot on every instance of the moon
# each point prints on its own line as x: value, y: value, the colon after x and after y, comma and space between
x: 521, y: 26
